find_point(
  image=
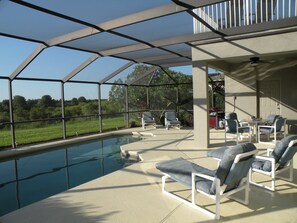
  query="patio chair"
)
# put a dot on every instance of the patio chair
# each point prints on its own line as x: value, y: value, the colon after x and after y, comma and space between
x: 276, y: 129
x: 171, y: 119
x: 278, y: 160
x: 148, y: 119
x: 230, y: 177
x: 237, y: 131
x: 271, y: 119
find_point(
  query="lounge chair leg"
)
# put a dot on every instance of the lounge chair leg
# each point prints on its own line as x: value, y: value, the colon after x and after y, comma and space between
x: 163, y: 183
x: 247, y: 190
x: 193, y: 190
x: 217, y: 206
x: 291, y: 170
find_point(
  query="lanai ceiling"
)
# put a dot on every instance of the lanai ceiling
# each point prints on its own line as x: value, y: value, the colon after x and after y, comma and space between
x: 154, y: 32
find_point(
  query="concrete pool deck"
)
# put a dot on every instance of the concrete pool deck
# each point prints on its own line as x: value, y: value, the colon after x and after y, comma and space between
x: 134, y: 194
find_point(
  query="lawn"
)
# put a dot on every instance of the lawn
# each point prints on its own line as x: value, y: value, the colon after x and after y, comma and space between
x: 30, y: 133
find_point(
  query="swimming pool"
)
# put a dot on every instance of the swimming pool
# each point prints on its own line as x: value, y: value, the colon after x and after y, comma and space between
x: 30, y: 178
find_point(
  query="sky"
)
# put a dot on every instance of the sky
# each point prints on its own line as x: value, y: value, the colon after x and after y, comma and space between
x: 56, y: 63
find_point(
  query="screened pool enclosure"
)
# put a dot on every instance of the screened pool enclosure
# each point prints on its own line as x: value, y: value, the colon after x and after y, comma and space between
x: 71, y: 67
x: 70, y: 71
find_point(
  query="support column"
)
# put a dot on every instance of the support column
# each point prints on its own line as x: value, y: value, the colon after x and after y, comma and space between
x: 63, y: 110
x: 148, y: 104
x: 201, y: 104
x: 99, y: 107
x: 177, y: 100
x: 126, y: 106
x: 11, y: 118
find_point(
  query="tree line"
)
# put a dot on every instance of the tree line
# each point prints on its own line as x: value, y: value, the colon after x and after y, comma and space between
x: 43, y: 108
x: 161, y: 97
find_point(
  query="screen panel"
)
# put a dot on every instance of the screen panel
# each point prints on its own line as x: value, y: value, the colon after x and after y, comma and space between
x: 15, y: 20
x: 54, y: 63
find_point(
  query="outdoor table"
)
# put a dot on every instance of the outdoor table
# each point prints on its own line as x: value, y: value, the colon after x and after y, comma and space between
x: 254, y: 123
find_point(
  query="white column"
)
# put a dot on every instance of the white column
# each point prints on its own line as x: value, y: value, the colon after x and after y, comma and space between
x: 201, y: 104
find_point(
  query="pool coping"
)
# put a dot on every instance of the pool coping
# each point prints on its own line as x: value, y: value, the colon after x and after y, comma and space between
x: 48, y: 145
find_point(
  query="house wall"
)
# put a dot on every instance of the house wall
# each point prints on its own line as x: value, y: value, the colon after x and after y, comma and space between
x: 288, y: 78
x: 240, y: 96
x: 241, y: 79
x: 241, y: 83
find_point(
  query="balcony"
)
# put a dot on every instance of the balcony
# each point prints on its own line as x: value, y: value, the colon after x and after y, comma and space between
x: 238, y: 13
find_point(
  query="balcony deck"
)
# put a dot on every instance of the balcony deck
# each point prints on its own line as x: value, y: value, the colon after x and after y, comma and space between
x: 134, y: 194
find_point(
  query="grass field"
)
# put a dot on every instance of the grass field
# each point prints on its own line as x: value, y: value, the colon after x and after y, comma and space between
x: 29, y: 133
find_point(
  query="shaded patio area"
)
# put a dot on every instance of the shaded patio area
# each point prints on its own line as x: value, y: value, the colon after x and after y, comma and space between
x: 134, y: 194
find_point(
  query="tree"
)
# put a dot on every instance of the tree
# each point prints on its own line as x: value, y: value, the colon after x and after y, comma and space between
x: 117, y: 92
x: 74, y: 101
x: 163, y: 87
x: 72, y: 111
x: 46, y: 101
x: 82, y: 99
x: 4, y: 117
x: 90, y: 108
x: 32, y: 103
x: 4, y: 106
x: 37, y: 112
x: 117, y: 97
x: 19, y: 102
x: 20, y: 108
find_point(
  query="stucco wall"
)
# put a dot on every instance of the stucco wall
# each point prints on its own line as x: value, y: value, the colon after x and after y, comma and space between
x: 240, y: 95
x: 241, y: 83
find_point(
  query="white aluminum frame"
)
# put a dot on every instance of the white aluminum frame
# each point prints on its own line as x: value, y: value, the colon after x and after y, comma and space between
x: 220, y: 190
x: 238, y: 134
x: 168, y: 123
x: 274, y: 172
x: 146, y: 123
x: 275, y: 133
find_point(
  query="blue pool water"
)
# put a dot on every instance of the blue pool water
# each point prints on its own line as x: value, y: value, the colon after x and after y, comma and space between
x: 30, y: 178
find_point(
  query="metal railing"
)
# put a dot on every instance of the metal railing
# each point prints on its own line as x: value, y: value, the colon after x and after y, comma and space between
x: 236, y: 13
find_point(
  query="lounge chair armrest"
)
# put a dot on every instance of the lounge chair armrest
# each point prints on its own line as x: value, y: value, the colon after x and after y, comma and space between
x: 243, y: 124
x: 269, y: 151
x: 292, y: 143
x: 243, y: 127
x: 203, y: 176
x: 271, y: 159
x: 243, y: 155
x: 265, y: 158
x: 207, y: 177
x: 266, y: 126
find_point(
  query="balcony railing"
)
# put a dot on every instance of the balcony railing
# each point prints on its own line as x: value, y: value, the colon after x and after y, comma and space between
x: 236, y: 13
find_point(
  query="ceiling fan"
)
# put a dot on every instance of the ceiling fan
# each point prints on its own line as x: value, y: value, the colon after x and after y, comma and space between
x: 254, y: 61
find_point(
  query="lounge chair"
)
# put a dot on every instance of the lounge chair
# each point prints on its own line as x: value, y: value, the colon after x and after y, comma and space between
x: 277, y: 128
x: 235, y: 129
x: 148, y: 119
x: 229, y: 178
x: 278, y: 160
x: 171, y: 119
